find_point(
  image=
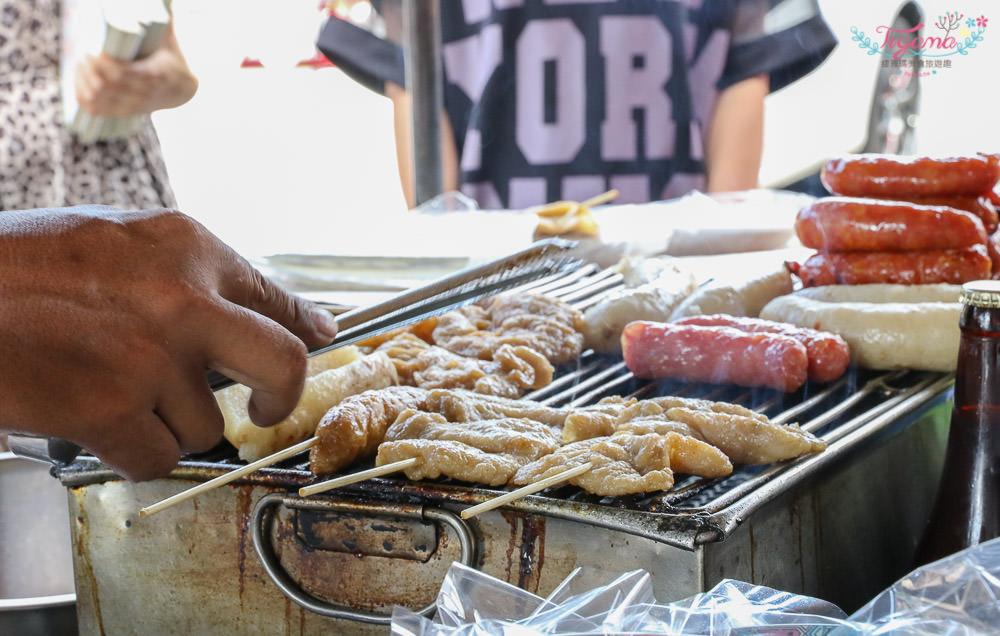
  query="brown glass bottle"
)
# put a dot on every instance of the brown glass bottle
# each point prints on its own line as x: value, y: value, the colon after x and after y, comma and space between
x: 967, y: 507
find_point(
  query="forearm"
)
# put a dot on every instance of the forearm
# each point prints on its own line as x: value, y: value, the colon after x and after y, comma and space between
x: 403, y: 128
x: 736, y: 136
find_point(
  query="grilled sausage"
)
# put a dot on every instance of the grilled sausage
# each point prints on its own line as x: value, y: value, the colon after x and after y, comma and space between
x: 847, y: 224
x: 954, y: 266
x: 828, y: 353
x: 875, y: 175
x: 993, y: 249
x: 981, y: 206
x: 714, y: 354
x: 743, y: 299
x: 885, y: 326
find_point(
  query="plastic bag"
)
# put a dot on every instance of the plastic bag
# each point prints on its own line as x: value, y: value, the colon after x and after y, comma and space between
x: 959, y: 595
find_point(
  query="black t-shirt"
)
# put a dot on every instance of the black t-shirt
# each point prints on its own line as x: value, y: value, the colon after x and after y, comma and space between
x: 564, y: 99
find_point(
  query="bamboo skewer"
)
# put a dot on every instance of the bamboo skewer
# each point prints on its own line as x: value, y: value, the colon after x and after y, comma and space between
x: 600, y: 199
x: 222, y: 480
x: 345, y: 480
x: 524, y: 491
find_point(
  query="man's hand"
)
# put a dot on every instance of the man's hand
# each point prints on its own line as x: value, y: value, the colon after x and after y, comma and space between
x: 109, y: 321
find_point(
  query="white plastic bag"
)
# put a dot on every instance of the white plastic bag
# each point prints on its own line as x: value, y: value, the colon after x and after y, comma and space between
x: 956, y: 596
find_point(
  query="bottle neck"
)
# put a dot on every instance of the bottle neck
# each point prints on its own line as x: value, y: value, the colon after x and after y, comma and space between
x: 977, y: 376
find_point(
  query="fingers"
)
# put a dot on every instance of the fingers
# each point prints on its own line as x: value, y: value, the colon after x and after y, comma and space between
x: 87, y: 82
x: 106, y: 87
x: 188, y: 408
x: 139, y: 449
x: 316, y: 327
x: 255, y: 351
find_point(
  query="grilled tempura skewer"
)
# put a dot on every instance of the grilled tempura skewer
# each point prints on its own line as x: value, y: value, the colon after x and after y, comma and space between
x: 426, y: 444
x: 338, y: 384
x: 395, y: 398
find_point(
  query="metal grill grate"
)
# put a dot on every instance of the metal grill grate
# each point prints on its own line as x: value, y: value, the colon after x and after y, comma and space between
x: 854, y: 410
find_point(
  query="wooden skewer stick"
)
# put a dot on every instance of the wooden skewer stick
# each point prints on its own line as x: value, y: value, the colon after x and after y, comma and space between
x: 524, y: 491
x: 600, y: 199
x: 222, y: 480
x: 344, y: 480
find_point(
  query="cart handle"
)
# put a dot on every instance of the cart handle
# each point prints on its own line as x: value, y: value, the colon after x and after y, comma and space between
x: 262, y: 522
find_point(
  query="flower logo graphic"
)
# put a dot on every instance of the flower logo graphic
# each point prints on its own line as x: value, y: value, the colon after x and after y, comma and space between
x: 949, y: 22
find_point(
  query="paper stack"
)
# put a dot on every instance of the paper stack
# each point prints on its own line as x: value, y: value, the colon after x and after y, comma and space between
x: 133, y: 30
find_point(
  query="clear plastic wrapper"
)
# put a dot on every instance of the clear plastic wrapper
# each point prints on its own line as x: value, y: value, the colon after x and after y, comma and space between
x: 959, y: 595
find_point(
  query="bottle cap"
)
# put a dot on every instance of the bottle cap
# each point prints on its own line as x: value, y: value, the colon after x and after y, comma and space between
x: 981, y: 293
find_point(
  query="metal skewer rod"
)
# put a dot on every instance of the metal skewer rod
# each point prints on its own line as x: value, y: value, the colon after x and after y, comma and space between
x: 524, y: 491
x: 353, y: 478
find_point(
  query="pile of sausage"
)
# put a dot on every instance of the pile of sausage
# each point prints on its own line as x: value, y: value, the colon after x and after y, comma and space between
x: 901, y: 220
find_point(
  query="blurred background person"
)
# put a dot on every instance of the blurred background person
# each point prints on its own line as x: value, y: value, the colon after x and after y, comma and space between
x: 41, y: 163
x: 549, y: 101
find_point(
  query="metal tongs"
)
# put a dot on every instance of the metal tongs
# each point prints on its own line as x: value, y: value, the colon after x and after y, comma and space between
x: 549, y: 257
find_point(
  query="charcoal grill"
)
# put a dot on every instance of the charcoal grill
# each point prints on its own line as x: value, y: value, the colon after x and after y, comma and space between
x: 253, y: 557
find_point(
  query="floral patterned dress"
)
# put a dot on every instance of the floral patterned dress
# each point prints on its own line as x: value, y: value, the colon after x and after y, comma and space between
x: 41, y: 163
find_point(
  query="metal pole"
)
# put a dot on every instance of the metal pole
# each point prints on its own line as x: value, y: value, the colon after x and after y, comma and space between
x: 422, y: 56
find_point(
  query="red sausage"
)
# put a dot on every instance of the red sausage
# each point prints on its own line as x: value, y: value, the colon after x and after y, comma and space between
x: 844, y: 224
x: 714, y: 354
x: 828, y: 353
x: 898, y: 177
x: 983, y: 206
x: 905, y: 268
x: 993, y: 249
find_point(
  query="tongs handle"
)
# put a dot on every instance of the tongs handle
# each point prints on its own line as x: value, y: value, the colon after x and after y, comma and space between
x: 50, y: 450
x: 542, y: 258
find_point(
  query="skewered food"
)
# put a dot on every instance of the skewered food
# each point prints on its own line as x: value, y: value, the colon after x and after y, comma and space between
x: 332, y: 359
x: 856, y: 224
x: 609, y: 414
x: 622, y: 464
x: 828, y: 353
x: 885, y: 326
x: 356, y: 426
x: 459, y: 405
x: 569, y: 218
x: 548, y: 325
x: 744, y: 436
x: 483, y: 451
x: 748, y: 440
x: 565, y: 218
x: 512, y: 369
x: 321, y: 392
x: 714, y: 354
x: 450, y: 458
x: 513, y: 435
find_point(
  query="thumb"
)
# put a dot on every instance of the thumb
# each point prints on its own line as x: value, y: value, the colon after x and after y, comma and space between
x: 314, y: 326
